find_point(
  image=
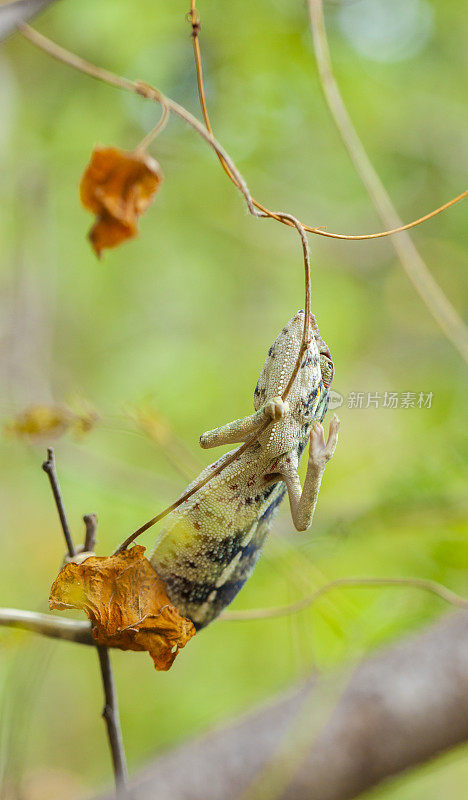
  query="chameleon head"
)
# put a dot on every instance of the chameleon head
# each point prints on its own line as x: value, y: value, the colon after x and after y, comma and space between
x: 312, y: 381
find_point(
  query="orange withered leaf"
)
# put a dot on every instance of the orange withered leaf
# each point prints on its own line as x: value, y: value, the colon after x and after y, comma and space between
x: 127, y: 604
x: 118, y: 186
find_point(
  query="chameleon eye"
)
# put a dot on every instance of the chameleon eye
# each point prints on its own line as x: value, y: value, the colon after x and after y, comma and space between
x: 327, y: 369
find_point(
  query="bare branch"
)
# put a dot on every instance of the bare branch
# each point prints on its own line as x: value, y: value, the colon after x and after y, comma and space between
x: 401, y: 707
x: 47, y: 625
x: 49, y: 468
x: 110, y: 714
x: 90, y: 521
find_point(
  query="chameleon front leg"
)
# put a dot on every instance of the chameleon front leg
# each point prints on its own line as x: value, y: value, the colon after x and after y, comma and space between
x: 303, y: 501
x: 240, y: 429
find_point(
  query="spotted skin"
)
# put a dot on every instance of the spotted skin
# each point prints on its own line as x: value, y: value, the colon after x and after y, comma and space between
x: 211, y: 543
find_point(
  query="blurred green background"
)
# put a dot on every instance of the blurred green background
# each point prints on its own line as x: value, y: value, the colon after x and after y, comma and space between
x: 179, y: 321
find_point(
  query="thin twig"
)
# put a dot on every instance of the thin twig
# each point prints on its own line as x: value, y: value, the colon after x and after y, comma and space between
x: 111, y: 709
x: 280, y: 611
x: 428, y: 289
x: 110, y: 714
x: 150, y: 93
x: 307, y: 308
x: 49, y: 468
x: 90, y: 521
x: 47, y: 625
x: 194, y: 18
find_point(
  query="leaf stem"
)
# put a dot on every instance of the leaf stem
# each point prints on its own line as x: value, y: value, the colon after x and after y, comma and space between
x: 146, y: 141
x: 138, y: 87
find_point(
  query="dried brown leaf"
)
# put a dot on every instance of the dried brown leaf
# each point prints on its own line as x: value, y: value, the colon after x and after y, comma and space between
x: 118, y: 186
x: 127, y: 604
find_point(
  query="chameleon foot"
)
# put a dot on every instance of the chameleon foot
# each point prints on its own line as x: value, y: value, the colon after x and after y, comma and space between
x: 319, y: 451
x: 276, y: 408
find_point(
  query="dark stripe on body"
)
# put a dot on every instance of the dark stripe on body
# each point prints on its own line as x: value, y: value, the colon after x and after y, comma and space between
x: 222, y: 551
x: 185, y: 592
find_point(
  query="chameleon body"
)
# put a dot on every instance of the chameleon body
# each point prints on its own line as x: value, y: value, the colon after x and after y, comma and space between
x: 211, y: 543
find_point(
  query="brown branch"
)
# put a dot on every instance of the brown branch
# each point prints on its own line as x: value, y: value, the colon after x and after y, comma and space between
x: 400, y: 707
x: 282, y: 217
x: 49, y: 468
x: 428, y: 289
x: 90, y: 521
x: 111, y: 709
x: 111, y: 717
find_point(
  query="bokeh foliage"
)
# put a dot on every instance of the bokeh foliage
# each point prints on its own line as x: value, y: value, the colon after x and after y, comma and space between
x: 181, y: 319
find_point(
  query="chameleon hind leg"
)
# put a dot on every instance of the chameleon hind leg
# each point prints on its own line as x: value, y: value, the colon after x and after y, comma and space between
x: 303, y: 501
x: 240, y: 429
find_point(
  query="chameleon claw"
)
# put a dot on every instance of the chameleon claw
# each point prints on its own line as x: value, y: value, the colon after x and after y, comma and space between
x: 276, y: 408
x: 321, y: 452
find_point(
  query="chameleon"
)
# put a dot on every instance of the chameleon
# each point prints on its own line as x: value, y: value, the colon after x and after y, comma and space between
x: 210, y: 544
